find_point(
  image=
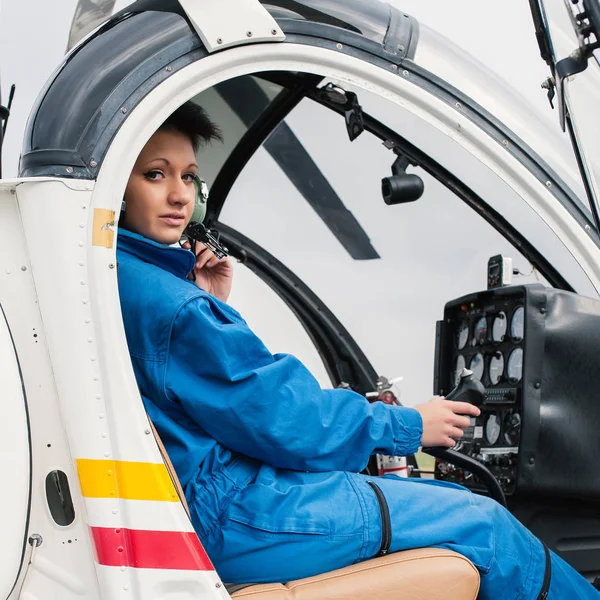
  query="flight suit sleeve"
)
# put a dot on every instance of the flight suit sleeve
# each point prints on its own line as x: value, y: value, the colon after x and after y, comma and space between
x: 270, y: 407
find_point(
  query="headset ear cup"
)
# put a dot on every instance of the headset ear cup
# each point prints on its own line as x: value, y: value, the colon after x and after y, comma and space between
x: 200, y: 200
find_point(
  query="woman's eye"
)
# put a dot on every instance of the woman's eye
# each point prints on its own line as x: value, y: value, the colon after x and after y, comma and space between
x: 153, y: 175
x: 189, y: 177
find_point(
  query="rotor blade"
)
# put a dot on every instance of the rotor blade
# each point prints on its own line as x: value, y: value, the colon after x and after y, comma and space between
x: 88, y: 15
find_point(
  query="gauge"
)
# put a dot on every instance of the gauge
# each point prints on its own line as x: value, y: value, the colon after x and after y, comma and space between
x: 496, y: 367
x: 514, y: 367
x: 460, y: 365
x: 499, y: 327
x: 476, y: 365
x: 517, y: 324
x: 492, y: 429
x: 512, y: 429
x: 462, y: 335
x: 480, y: 333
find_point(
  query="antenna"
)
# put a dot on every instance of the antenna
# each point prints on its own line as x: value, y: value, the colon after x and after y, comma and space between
x: 4, y: 114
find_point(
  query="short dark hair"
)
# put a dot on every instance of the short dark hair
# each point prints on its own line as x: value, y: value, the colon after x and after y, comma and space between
x: 191, y: 120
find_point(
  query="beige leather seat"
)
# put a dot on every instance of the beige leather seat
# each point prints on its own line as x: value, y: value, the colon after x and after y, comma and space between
x: 424, y: 574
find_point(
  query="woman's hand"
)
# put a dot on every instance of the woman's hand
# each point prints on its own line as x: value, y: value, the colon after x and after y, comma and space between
x: 444, y: 421
x: 213, y: 275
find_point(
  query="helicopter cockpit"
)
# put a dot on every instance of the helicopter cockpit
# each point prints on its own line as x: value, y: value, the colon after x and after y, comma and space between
x: 367, y: 174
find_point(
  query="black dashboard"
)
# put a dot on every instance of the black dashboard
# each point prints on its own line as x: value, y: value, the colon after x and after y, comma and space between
x: 536, y: 350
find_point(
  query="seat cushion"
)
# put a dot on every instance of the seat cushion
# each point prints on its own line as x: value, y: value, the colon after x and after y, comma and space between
x: 424, y: 574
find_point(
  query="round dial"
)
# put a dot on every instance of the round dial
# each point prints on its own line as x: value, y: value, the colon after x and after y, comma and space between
x: 499, y: 327
x: 514, y: 367
x: 492, y: 429
x: 512, y: 429
x: 462, y: 335
x: 476, y: 365
x: 496, y: 367
x: 460, y: 365
x: 517, y: 324
x: 480, y: 332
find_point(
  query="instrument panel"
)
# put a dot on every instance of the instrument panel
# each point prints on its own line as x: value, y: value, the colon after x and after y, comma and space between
x: 535, y: 351
x: 486, y: 334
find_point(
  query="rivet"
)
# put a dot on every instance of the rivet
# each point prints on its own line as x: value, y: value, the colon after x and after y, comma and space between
x: 458, y: 105
x: 123, y: 567
x: 81, y: 244
x: 96, y: 378
x: 217, y: 585
x: 120, y: 549
x: 168, y: 69
x: 123, y: 109
x: 394, y: 67
x: 90, y: 340
x: 339, y: 46
x: 82, y: 282
x: 537, y: 385
x: 23, y: 268
x: 109, y: 473
x: 532, y: 461
x: 401, y: 48
x: 548, y: 184
x: 83, y: 207
x: 93, y: 163
x: 81, y: 263
x: 98, y: 397
x: 106, y: 455
x: 103, y: 434
x: 35, y: 540
x: 219, y: 40
x: 405, y: 73
x: 587, y: 227
x: 69, y: 169
x: 147, y: 431
x: 114, y: 512
x: 101, y: 416
x: 505, y: 143
x: 125, y: 587
x: 8, y: 271
x: 92, y: 358
x: 543, y: 310
x: 81, y: 225
x: 248, y: 34
x: 274, y: 31
x: 84, y: 301
x: 111, y: 266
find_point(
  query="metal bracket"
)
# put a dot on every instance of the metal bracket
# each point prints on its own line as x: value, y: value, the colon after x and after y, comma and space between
x: 224, y: 23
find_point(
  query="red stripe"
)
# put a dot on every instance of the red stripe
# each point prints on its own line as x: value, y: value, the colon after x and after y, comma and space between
x: 142, y: 549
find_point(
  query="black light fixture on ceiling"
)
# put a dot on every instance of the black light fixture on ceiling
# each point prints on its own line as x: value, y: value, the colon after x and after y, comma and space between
x: 401, y: 187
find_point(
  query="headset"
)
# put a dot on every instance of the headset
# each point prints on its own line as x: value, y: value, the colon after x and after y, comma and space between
x: 196, y: 231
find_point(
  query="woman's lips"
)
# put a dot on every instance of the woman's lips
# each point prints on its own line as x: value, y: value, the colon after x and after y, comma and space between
x: 172, y: 221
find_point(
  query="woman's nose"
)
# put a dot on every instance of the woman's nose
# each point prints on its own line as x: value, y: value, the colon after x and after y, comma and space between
x: 181, y: 193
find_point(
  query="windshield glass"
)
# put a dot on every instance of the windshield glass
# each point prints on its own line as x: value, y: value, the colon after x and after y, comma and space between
x: 538, y: 130
x: 427, y: 252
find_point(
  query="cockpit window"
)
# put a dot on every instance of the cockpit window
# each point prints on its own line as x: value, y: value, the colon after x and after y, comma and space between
x: 426, y: 252
x: 235, y: 105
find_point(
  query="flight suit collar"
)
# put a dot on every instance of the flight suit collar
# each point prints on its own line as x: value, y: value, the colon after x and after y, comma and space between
x: 173, y: 259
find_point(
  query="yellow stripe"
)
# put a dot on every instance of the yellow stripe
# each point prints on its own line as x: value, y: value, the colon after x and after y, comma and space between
x: 127, y: 480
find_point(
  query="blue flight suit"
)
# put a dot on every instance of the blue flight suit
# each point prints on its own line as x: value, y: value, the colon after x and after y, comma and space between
x: 270, y: 462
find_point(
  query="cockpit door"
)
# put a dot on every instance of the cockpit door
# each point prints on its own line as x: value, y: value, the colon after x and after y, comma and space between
x: 568, y: 33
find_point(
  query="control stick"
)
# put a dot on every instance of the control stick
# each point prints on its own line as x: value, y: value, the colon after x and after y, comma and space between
x: 469, y: 389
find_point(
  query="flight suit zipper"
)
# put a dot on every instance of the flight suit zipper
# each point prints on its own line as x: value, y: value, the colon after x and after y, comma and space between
x: 386, y: 522
x: 547, y: 576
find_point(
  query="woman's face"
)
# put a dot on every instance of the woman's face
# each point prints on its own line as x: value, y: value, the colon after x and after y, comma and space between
x: 160, y: 192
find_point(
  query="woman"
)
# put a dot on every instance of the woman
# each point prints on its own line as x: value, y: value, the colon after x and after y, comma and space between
x: 268, y: 460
